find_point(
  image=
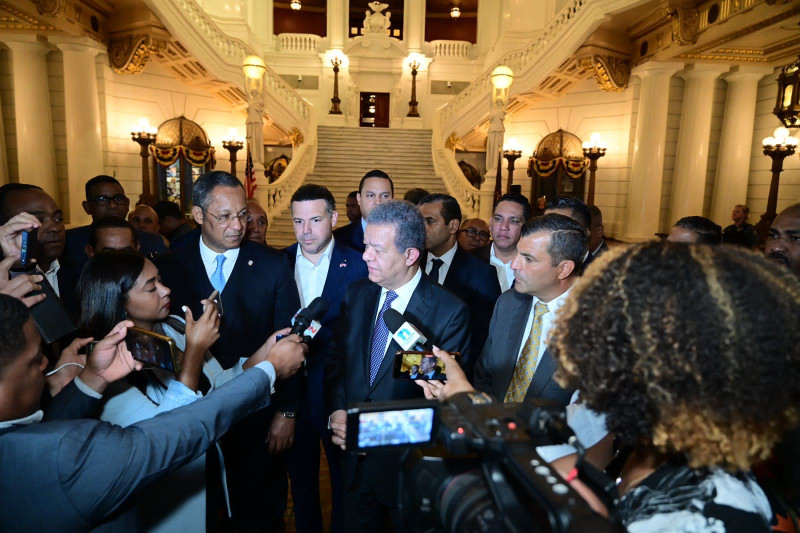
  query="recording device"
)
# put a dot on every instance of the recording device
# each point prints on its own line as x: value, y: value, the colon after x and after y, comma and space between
x: 407, y: 336
x: 29, y: 246
x: 419, y: 365
x: 306, y: 322
x: 470, y: 464
x: 152, y: 349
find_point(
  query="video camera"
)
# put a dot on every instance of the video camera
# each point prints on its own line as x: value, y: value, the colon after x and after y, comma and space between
x: 470, y: 464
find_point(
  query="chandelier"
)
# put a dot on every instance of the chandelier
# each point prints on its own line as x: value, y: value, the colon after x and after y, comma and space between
x: 295, y: 4
x: 455, y: 12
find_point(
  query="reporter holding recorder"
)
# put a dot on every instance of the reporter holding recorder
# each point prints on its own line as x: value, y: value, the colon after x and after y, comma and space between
x: 76, y: 475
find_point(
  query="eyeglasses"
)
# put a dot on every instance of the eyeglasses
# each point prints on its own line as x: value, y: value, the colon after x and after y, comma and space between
x: 472, y: 233
x: 226, y: 218
x: 105, y: 201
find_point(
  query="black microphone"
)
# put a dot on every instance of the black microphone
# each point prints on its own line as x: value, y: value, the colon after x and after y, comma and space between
x: 407, y: 336
x: 304, y: 319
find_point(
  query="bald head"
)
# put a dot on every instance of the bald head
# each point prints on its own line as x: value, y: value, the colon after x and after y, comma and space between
x: 144, y: 218
x: 257, y: 223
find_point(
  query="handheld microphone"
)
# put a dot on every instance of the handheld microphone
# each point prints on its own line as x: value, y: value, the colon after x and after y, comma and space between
x: 306, y: 322
x: 407, y: 336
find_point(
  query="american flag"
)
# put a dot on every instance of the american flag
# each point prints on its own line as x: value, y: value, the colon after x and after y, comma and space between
x: 249, y: 177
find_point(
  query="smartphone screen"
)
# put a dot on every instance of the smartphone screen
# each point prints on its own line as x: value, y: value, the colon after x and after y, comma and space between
x: 152, y: 349
x: 419, y: 365
x: 387, y: 425
x: 28, y: 246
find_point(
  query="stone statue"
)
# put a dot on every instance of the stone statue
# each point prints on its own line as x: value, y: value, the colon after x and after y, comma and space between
x: 375, y: 21
x: 255, y: 132
x: 494, y: 139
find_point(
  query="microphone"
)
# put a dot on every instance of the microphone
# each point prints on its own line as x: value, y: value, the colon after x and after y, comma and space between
x: 407, y: 336
x: 306, y: 322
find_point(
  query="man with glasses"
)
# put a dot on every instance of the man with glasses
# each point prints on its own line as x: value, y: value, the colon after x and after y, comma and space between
x: 257, y: 295
x: 105, y: 197
x: 473, y: 234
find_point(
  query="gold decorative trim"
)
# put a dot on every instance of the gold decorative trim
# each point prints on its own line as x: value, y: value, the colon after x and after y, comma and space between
x: 129, y: 55
x: 685, y: 21
x: 296, y: 136
x: 744, y: 31
x: 452, y: 142
x: 610, y: 72
x: 50, y: 8
x: 17, y: 20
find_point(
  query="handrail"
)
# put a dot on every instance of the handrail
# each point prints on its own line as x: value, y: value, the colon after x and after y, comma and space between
x: 531, y: 64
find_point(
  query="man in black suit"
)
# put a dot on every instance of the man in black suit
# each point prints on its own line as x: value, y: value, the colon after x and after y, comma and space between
x: 448, y: 264
x: 429, y: 370
x: 515, y: 362
x: 597, y: 242
x: 61, y: 272
x: 510, y: 213
x: 257, y: 296
x: 105, y: 197
x: 363, y: 351
x: 375, y: 188
x: 322, y: 267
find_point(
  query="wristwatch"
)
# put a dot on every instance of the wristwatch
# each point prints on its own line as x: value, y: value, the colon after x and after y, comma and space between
x: 288, y: 414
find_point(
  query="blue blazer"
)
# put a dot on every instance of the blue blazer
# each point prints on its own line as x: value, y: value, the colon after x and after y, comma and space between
x: 351, y: 235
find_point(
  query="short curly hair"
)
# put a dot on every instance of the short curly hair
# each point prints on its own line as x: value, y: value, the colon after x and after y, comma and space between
x: 665, y: 339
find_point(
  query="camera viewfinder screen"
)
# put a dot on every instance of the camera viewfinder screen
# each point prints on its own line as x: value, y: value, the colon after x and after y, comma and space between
x: 395, y: 428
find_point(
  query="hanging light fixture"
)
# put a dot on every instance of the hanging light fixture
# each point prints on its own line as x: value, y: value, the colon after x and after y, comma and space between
x: 455, y: 12
x: 787, y: 108
x: 295, y: 5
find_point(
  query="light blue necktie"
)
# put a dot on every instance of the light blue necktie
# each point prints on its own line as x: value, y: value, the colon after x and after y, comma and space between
x: 218, y: 278
x: 379, y: 337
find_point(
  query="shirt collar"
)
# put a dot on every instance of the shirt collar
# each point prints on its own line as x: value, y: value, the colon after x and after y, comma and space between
x: 497, y: 259
x: 556, y: 303
x: 408, y: 289
x: 326, y: 255
x: 208, y: 255
x: 594, y: 252
x: 34, y: 418
x: 54, y: 267
x: 363, y: 224
x: 447, y: 257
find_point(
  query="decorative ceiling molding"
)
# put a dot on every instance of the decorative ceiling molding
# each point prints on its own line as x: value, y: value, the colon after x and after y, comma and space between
x: 129, y: 54
x: 685, y: 20
x: 50, y: 8
x: 611, y: 72
x: 12, y: 18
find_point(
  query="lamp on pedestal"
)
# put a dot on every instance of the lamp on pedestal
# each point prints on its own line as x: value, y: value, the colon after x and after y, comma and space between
x: 593, y: 149
x: 144, y: 137
x: 502, y: 77
x: 233, y: 143
x: 778, y: 147
x: 787, y: 108
x: 254, y: 69
x: 511, y: 156
x: 412, y: 104
x: 335, y: 101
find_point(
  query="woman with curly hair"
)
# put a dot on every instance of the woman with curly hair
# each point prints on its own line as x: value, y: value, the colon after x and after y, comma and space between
x: 693, y: 354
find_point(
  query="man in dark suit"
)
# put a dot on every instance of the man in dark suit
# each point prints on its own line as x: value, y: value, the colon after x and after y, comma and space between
x: 322, y: 267
x: 510, y: 213
x: 597, y: 241
x: 362, y: 352
x: 515, y: 363
x: 257, y: 296
x: 76, y: 475
x: 448, y: 264
x: 578, y: 211
x: 429, y: 370
x: 105, y: 197
x: 375, y: 188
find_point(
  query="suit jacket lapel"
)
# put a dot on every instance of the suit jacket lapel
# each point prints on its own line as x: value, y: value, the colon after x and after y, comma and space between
x: 544, y: 371
x: 516, y: 334
x: 336, y: 272
x: 197, y: 270
x: 368, y: 314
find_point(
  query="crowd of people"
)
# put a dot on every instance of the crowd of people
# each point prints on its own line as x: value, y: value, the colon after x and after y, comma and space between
x: 660, y: 354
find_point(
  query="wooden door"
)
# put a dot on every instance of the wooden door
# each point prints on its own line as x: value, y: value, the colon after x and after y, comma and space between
x: 374, y: 110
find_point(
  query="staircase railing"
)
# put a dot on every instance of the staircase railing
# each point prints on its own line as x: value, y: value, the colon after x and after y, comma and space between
x: 531, y: 64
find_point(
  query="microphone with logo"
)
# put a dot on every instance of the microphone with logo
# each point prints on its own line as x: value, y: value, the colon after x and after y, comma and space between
x: 306, y: 322
x: 407, y: 336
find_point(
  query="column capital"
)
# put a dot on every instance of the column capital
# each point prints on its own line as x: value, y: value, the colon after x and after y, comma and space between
x: 747, y: 73
x: 655, y: 68
x: 26, y: 43
x: 78, y: 44
x: 702, y: 71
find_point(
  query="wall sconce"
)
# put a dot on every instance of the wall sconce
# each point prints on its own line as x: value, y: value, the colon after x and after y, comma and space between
x: 144, y: 137
x: 778, y: 147
x: 593, y: 149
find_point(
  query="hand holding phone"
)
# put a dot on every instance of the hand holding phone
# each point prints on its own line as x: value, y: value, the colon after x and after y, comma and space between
x: 29, y: 246
x: 152, y: 349
x: 109, y: 359
x: 11, y: 233
x: 202, y: 333
x: 20, y: 284
x: 416, y: 365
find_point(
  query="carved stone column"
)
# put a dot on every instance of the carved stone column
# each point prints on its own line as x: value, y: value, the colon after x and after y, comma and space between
x: 691, y: 159
x: 414, y: 25
x: 82, y: 113
x: 735, y: 144
x: 35, y: 156
x: 647, y: 169
x: 337, y: 25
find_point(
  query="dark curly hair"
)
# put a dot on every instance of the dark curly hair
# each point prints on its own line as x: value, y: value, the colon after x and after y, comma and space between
x: 693, y: 349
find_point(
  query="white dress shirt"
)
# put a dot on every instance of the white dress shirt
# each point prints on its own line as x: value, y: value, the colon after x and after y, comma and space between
x: 547, y: 323
x: 447, y: 260
x: 52, y: 276
x: 310, y: 278
x: 209, y: 258
x: 400, y: 303
x: 504, y: 273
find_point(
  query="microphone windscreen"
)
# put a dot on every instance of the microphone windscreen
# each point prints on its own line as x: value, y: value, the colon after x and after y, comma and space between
x: 393, y: 319
x: 317, y: 308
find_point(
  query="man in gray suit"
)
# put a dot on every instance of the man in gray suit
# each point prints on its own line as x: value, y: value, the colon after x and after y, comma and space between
x: 76, y: 475
x: 515, y: 363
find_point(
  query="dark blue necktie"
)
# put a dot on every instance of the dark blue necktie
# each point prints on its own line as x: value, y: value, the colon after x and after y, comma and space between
x: 379, y: 337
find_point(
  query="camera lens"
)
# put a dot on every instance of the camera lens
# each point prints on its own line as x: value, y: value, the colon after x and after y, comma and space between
x: 466, y: 503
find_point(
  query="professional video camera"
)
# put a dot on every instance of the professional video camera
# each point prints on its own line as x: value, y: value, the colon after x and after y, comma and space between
x: 471, y: 465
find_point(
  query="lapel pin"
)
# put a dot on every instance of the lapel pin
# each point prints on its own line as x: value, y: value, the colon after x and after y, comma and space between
x: 343, y: 264
x: 250, y: 263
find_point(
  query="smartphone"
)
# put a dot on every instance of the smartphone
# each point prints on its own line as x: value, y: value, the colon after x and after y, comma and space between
x: 386, y: 425
x: 28, y: 246
x: 152, y: 349
x: 215, y: 297
x: 50, y: 316
x: 420, y: 365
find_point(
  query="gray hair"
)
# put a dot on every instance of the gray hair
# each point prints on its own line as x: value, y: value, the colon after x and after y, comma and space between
x: 205, y: 184
x: 407, y: 221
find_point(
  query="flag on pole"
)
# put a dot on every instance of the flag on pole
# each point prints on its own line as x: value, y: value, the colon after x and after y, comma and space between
x: 249, y: 177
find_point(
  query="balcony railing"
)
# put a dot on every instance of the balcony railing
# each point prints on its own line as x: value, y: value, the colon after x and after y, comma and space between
x: 453, y: 49
x: 298, y: 42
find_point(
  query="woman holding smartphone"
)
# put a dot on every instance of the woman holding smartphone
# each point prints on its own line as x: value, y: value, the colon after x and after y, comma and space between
x: 125, y: 285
